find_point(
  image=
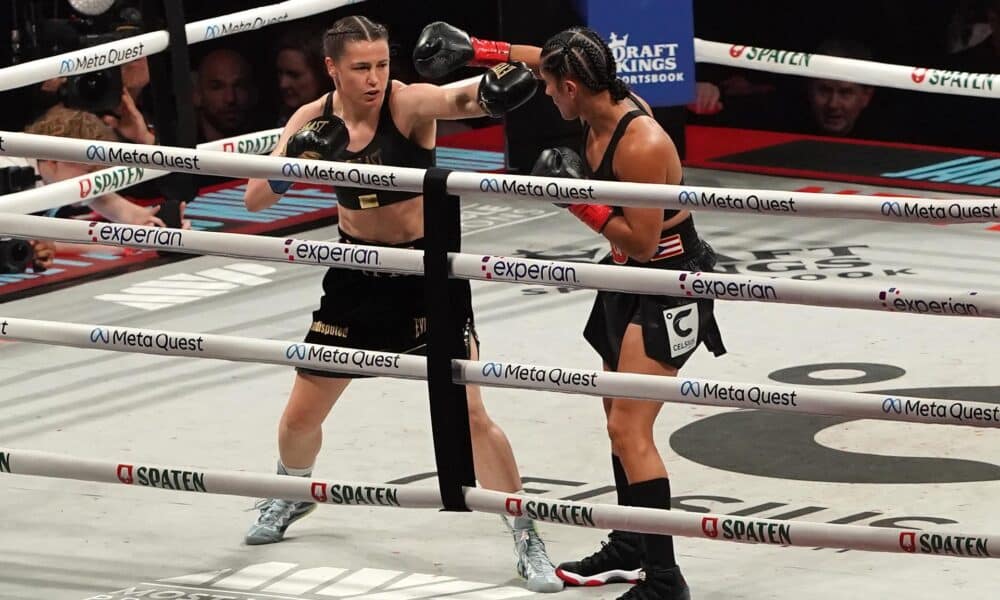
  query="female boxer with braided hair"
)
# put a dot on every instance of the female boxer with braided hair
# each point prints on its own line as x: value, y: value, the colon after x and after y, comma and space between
x: 372, y: 120
x: 633, y: 333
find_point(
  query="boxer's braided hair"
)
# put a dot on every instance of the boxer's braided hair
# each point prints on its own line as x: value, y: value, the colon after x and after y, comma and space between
x: 355, y: 28
x: 581, y: 52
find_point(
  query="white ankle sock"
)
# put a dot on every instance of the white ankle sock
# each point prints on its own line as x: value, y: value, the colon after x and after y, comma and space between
x: 283, y: 470
x: 522, y: 522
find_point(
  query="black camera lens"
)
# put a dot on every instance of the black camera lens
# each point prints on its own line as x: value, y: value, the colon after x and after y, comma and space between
x: 91, y: 87
x: 15, y: 256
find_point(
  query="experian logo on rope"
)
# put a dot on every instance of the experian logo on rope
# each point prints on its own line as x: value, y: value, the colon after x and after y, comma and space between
x: 99, y: 60
x: 893, y: 300
x: 514, y: 270
x: 123, y: 235
x: 703, y: 286
x: 322, y: 253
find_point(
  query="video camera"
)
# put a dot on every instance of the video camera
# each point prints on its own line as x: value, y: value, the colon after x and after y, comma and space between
x: 16, y: 255
x: 44, y: 28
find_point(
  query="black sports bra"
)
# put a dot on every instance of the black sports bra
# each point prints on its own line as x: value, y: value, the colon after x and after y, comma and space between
x: 605, y: 170
x: 388, y: 147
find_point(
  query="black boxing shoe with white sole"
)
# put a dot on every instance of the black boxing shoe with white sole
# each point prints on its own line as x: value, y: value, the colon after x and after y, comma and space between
x: 618, y: 561
x: 658, y: 583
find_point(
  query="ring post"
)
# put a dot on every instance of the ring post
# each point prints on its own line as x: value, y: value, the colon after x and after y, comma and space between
x: 449, y: 305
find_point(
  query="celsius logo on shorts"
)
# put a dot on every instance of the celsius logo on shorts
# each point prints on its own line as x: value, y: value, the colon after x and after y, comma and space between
x: 682, y: 328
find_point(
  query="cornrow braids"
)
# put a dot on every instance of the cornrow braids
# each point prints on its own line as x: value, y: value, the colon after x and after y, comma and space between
x: 355, y: 28
x: 581, y: 52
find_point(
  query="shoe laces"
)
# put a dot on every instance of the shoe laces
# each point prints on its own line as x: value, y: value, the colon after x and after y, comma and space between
x: 273, y: 511
x: 534, y: 550
x: 610, y: 550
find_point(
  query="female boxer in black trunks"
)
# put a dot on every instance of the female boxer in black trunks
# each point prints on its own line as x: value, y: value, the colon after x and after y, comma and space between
x: 372, y: 120
x: 633, y: 333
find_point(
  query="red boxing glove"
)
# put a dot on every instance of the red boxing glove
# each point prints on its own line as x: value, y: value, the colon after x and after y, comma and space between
x: 487, y: 53
x: 595, y: 216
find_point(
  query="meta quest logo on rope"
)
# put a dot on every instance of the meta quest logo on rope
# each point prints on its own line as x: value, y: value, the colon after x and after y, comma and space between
x: 652, y: 42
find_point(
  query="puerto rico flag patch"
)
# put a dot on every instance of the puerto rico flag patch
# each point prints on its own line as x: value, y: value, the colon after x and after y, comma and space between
x: 667, y: 247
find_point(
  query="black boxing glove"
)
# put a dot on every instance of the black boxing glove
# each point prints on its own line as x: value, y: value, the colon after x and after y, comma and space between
x: 564, y: 162
x: 505, y: 87
x: 443, y: 48
x: 559, y: 162
x: 322, y: 138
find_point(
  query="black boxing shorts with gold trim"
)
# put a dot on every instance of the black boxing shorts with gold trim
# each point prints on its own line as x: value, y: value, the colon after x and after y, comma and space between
x: 373, y: 311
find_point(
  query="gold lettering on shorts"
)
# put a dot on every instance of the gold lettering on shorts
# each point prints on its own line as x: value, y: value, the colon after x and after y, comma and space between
x: 368, y: 201
x: 375, y: 158
x: 419, y: 326
x: 334, y: 330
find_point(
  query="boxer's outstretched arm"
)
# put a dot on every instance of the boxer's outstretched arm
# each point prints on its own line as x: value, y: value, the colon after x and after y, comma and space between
x: 529, y: 55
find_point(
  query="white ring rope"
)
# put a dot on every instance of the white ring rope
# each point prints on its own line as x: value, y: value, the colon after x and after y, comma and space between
x: 489, y: 185
x: 748, y: 57
x: 119, y: 52
x: 564, y: 512
x: 86, y: 188
x: 703, y: 392
x: 667, y: 282
x: 918, y: 79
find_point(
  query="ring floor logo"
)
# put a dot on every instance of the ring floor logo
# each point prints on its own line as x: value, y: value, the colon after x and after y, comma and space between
x: 291, y: 581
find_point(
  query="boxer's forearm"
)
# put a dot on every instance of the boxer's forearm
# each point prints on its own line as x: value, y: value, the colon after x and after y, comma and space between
x: 529, y: 55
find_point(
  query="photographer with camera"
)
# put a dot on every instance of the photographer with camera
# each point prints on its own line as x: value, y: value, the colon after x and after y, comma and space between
x: 65, y: 122
x: 60, y: 121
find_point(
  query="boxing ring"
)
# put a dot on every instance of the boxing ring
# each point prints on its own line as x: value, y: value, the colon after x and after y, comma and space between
x: 918, y: 311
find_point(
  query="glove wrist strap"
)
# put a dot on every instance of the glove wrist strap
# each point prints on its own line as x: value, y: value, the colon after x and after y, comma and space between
x: 595, y: 216
x: 488, y: 52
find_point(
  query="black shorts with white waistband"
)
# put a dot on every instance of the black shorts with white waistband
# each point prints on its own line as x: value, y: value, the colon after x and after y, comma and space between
x: 370, y: 310
x: 672, y: 327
